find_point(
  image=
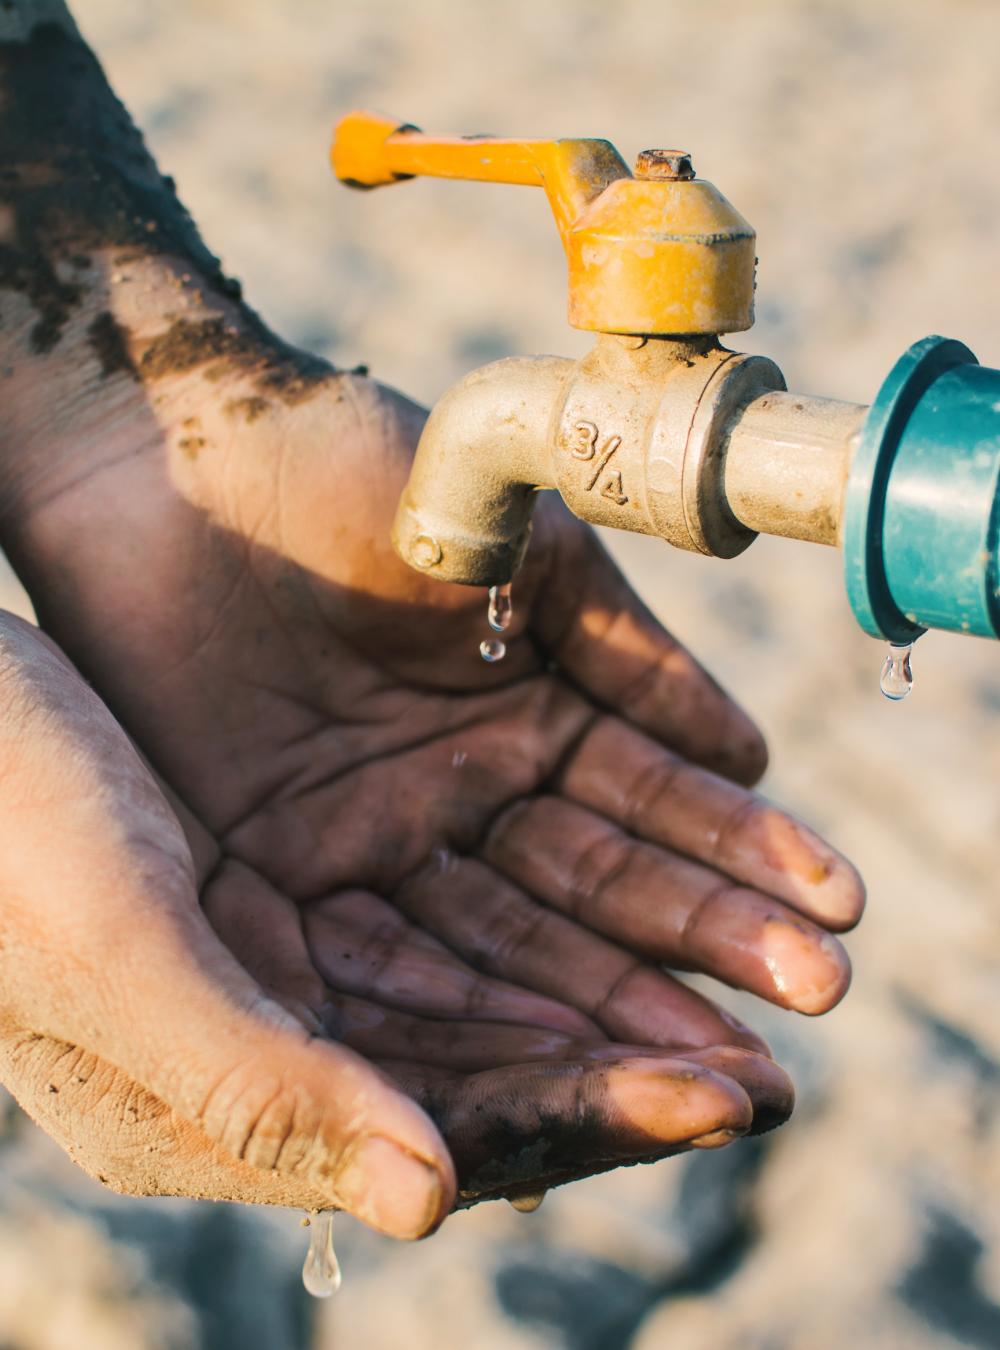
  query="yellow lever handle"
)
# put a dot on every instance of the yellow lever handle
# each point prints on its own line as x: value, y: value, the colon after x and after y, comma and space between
x: 661, y: 253
x: 370, y: 151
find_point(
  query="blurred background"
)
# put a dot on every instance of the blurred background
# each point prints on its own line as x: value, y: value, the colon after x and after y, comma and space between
x: 860, y: 140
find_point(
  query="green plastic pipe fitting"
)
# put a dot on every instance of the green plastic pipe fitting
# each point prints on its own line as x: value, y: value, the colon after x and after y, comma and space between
x: 921, y: 522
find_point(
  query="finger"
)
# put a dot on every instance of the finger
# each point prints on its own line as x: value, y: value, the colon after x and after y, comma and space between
x: 497, y: 928
x: 381, y: 1033
x: 667, y: 907
x: 265, y: 933
x: 125, y: 1137
x: 766, y: 1084
x: 378, y: 1032
x: 470, y: 1048
x: 540, y: 1124
x: 362, y: 945
x: 105, y: 947
x: 661, y: 797
x: 135, y: 1144
x: 263, y: 930
x: 590, y: 621
x: 206, y: 1041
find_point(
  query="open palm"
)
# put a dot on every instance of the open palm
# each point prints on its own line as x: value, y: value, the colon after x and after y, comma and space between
x: 471, y: 875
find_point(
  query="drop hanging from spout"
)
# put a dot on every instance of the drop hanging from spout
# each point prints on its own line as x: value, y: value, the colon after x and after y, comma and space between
x: 499, y: 614
x: 896, y: 679
x: 501, y: 607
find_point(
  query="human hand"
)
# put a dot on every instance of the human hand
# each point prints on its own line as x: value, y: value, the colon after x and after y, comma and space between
x: 139, y: 1042
x: 470, y: 874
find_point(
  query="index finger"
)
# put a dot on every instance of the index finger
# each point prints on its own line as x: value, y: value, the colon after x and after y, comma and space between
x: 660, y: 797
x: 540, y: 1124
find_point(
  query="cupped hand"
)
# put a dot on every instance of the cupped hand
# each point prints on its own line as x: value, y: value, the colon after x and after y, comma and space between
x: 148, y: 1049
x: 420, y: 878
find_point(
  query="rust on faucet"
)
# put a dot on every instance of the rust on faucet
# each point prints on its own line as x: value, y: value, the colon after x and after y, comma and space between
x: 660, y: 429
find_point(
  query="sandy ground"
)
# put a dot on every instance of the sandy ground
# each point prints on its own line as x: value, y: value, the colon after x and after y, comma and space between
x: 861, y: 141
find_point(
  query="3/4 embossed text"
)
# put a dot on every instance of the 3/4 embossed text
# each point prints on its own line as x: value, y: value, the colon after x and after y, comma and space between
x: 584, y: 446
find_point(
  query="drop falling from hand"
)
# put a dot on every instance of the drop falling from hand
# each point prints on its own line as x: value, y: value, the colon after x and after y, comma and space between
x: 526, y: 1203
x: 492, y: 649
x: 321, y: 1271
x: 896, y: 679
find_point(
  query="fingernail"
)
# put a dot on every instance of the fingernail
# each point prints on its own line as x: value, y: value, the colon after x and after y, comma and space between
x: 717, y: 1139
x: 808, y: 969
x: 388, y: 1188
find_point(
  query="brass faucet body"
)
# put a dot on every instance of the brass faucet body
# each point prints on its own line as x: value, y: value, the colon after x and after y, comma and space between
x: 660, y: 436
x: 659, y: 429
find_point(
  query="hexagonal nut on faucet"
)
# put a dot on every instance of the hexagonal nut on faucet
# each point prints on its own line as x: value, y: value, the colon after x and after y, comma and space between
x: 672, y: 165
x: 425, y: 551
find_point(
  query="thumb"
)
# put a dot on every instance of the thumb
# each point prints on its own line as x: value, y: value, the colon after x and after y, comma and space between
x: 103, y: 945
x: 175, y: 1011
x: 199, y: 1033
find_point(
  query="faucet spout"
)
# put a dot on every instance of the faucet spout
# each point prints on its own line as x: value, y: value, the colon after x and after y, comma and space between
x: 630, y: 436
x: 465, y: 514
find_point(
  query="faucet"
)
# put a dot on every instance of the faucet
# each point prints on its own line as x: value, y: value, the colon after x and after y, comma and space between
x: 663, y: 430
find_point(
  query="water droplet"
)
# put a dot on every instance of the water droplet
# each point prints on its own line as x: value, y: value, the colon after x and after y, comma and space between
x: 526, y: 1204
x: 896, y: 679
x: 444, y: 859
x: 492, y: 649
x: 321, y: 1272
x: 501, y: 608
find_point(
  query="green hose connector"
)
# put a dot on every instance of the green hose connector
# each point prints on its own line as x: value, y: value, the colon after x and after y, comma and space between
x: 921, y: 529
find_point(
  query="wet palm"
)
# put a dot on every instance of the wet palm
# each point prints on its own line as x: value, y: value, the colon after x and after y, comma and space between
x: 473, y: 875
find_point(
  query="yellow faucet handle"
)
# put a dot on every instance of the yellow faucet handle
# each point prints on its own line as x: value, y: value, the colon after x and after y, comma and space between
x: 660, y: 253
x: 370, y: 151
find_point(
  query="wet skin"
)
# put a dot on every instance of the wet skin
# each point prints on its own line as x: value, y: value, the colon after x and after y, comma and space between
x: 392, y: 930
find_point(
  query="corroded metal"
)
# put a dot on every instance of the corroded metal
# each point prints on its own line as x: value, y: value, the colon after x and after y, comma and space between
x: 687, y: 441
x: 672, y: 164
x: 465, y: 514
x: 662, y: 253
x: 786, y: 463
x: 659, y: 429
